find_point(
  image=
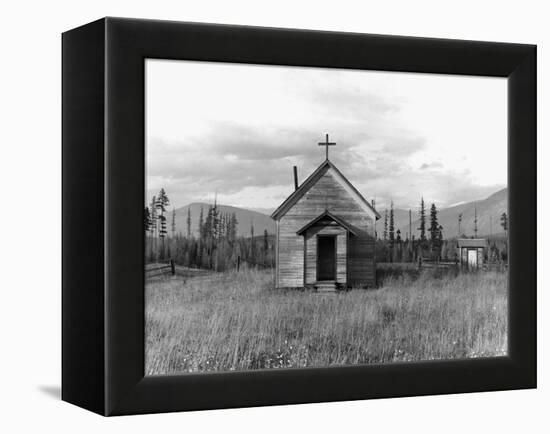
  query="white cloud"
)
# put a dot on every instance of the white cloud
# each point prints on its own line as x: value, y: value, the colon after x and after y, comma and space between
x: 238, y: 129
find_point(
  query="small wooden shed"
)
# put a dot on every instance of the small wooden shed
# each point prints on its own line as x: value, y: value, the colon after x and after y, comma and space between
x: 471, y: 252
x: 325, y: 234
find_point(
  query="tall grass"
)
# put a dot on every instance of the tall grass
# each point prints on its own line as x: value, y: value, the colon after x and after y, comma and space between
x: 235, y: 321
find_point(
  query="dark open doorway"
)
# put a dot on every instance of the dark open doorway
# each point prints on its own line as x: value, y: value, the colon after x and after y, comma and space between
x: 326, y: 257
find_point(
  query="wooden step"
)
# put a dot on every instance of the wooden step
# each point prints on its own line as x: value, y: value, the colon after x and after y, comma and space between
x: 325, y: 286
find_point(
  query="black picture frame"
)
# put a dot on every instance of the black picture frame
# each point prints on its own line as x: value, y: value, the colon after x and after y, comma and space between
x: 103, y: 197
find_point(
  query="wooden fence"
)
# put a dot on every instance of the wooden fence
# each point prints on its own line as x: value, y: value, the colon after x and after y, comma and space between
x: 417, y: 265
x: 424, y: 263
x: 159, y: 269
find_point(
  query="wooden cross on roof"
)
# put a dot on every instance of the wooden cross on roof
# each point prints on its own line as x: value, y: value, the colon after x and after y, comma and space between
x: 326, y: 144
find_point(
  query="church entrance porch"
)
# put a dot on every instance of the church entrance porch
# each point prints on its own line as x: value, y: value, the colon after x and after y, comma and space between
x: 325, y: 253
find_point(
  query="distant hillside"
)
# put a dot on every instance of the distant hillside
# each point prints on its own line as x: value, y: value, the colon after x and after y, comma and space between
x: 489, y: 211
x: 245, y: 218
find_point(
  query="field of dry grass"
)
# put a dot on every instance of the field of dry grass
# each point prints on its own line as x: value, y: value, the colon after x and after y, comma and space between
x: 235, y: 321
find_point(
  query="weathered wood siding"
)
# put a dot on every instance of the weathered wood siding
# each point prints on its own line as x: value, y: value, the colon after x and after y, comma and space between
x: 311, y: 252
x: 361, y: 264
x: 327, y: 193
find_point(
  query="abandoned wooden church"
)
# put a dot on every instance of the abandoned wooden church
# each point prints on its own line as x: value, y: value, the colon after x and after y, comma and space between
x: 325, y: 234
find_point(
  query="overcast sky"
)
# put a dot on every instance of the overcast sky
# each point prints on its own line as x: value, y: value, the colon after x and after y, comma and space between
x: 238, y: 129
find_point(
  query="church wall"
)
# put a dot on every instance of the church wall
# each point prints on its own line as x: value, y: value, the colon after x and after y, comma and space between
x: 329, y: 194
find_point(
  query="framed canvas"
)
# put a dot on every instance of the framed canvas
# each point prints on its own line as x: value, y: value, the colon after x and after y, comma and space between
x: 257, y: 216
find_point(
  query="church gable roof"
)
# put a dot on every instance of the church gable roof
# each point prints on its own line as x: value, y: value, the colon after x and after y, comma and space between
x: 328, y: 215
x: 311, y: 181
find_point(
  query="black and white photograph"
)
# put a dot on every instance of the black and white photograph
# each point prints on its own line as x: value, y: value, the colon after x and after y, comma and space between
x: 311, y: 217
x: 278, y: 217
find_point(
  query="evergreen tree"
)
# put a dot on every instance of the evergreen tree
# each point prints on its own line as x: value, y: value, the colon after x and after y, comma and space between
x: 222, y: 226
x: 173, y: 226
x: 504, y: 223
x: 196, y: 254
x: 385, y: 233
x: 153, y: 226
x: 434, y: 227
x: 215, y: 221
x: 153, y: 214
x: 391, y: 227
x: 251, y: 239
x: 147, y: 219
x: 228, y: 226
x: 209, y: 236
x: 201, y: 238
x: 201, y: 225
x: 373, y: 203
x: 475, y: 221
x: 162, y: 203
x: 233, y: 228
x: 422, y: 228
x: 189, y: 222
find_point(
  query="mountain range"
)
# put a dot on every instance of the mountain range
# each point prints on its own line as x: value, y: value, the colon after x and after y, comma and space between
x: 488, y: 210
x: 245, y: 219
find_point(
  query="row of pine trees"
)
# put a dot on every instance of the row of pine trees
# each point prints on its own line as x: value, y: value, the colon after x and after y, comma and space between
x: 215, y: 246
x: 392, y: 247
x: 435, y: 230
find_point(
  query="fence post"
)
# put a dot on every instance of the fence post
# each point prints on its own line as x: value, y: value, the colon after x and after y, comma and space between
x: 172, y: 267
x: 238, y: 262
